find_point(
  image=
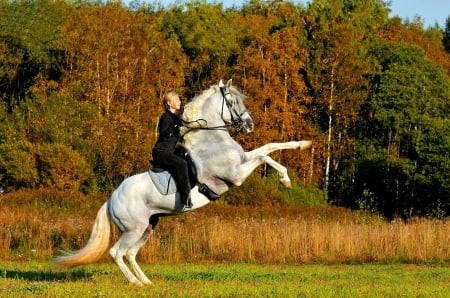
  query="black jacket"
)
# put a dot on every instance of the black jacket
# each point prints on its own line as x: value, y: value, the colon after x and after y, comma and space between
x: 169, y: 132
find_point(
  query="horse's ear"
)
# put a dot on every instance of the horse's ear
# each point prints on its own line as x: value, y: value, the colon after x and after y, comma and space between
x: 221, y: 83
x: 229, y: 83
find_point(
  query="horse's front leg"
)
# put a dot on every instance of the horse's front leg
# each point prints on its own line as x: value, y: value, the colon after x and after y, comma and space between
x: 282, y: 171
x: 250, y: 165
x: 271, y: 147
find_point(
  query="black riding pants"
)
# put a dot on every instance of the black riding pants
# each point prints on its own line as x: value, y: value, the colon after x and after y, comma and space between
x: 177, y: 167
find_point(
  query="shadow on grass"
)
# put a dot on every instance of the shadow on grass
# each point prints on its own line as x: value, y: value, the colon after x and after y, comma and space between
x: 74, y: 275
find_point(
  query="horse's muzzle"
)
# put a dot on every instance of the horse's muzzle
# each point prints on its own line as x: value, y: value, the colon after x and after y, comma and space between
x: 248, y: 125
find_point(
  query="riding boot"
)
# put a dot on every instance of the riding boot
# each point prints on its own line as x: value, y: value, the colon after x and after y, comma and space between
x: 187, y: 202
x: 184, y: 186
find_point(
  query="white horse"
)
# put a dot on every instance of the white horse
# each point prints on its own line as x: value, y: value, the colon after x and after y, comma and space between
x: 136, y: 205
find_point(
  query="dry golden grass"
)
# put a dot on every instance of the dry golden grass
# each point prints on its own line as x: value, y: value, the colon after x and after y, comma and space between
x: 298, y: 240
x: 37, y: 224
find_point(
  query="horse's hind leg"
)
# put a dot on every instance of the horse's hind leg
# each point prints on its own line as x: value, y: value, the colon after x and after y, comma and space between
x: 125, y: 243
x: 131, y: 256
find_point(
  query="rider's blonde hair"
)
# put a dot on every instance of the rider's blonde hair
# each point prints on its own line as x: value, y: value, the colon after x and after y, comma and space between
x: 167, y: 97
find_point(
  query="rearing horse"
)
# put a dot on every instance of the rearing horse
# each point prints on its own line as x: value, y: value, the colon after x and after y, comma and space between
x: 220, y: 161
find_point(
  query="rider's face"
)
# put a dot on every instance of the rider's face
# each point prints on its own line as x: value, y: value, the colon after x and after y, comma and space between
x: 174, y: 103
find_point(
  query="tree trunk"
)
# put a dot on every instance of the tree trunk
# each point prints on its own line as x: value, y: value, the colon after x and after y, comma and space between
x: 330, y: 122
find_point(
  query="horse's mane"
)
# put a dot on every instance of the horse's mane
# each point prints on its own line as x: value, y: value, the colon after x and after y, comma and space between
x: 192, y: 109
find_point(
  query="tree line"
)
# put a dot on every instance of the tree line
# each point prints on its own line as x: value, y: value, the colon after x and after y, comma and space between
x: 81, y: 85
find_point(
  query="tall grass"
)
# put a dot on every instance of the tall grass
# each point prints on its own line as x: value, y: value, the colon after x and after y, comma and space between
x: 37, y: 224
x: 287, y: 240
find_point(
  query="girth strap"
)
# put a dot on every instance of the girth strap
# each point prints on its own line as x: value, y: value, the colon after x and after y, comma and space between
x: 205, y: 190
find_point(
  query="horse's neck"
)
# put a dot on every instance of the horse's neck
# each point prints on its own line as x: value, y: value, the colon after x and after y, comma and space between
x: 206, y: 131
x: 201, y: 114
x: 194, y: 110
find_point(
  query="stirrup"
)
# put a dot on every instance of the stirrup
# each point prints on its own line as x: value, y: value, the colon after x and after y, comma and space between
x: 204, y: 189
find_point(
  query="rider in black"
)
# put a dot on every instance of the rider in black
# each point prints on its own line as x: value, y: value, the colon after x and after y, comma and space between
x: 163, y: 151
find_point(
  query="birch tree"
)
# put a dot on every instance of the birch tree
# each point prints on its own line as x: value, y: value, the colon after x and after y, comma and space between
x: 339, y: 33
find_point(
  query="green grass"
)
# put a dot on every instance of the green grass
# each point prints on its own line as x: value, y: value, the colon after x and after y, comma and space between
x: 228, y: 280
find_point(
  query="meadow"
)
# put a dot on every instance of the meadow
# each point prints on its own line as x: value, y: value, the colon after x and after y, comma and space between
x: 229, y: 280
x: 224, y: 250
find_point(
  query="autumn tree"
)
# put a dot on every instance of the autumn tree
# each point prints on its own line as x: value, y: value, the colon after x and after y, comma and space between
x: 273, y: 51
x: 98, y: 41
x: 121, y: 62
x: 431, y: 40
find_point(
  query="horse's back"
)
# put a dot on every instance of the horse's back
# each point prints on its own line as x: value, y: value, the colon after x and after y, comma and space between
x: 132, y: 186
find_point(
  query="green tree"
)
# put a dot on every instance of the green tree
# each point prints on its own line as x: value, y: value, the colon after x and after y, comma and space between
x: 18, y: 165
x: 28, y: 45
x: 446, y: 39
x: 61, y: 167
x: 430, y: 40
x: 43, y: 135
x: 405, y: 140
x: 208, y: 37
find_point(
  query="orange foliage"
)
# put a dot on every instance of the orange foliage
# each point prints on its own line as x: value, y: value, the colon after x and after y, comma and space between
x: 430, y: 40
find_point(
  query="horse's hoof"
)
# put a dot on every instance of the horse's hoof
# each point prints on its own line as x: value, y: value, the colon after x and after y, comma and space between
x: 147, y: 283
x: 136, y: 283
x: 305, y: 144
x: 286, y: 183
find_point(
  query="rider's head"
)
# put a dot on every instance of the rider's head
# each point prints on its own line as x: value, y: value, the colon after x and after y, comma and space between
x: 172, y: 101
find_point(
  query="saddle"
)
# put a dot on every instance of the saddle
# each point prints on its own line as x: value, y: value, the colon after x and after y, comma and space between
x: 165, y: 182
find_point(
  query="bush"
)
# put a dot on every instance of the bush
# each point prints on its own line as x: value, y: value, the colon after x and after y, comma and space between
x: 258, y: 191
x: 18, y: 165
x: 61, y: 167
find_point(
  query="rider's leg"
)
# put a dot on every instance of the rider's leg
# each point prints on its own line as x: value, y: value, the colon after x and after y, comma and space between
x: 177, y: 166
x: 182, y: 177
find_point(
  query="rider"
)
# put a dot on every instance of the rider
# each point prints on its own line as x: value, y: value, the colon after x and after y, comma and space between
x: 164, y: 149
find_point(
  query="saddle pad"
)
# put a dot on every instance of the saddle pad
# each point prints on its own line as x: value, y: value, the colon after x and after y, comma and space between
x: 164, y: 182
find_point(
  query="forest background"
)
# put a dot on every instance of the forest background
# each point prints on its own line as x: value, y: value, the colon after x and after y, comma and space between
x: 81, y: 85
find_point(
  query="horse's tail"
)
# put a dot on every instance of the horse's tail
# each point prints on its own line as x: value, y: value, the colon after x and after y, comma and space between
x: 96, y: 246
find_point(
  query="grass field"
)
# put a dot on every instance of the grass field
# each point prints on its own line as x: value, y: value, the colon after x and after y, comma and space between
x: 228, y: 280
x: 268, y: 250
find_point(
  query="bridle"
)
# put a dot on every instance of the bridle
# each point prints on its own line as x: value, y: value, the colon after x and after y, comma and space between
x: 236, y: 117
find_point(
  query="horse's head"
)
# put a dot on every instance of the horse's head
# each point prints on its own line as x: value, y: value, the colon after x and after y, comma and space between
x: 217, y: 106
x: 234, y: 110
